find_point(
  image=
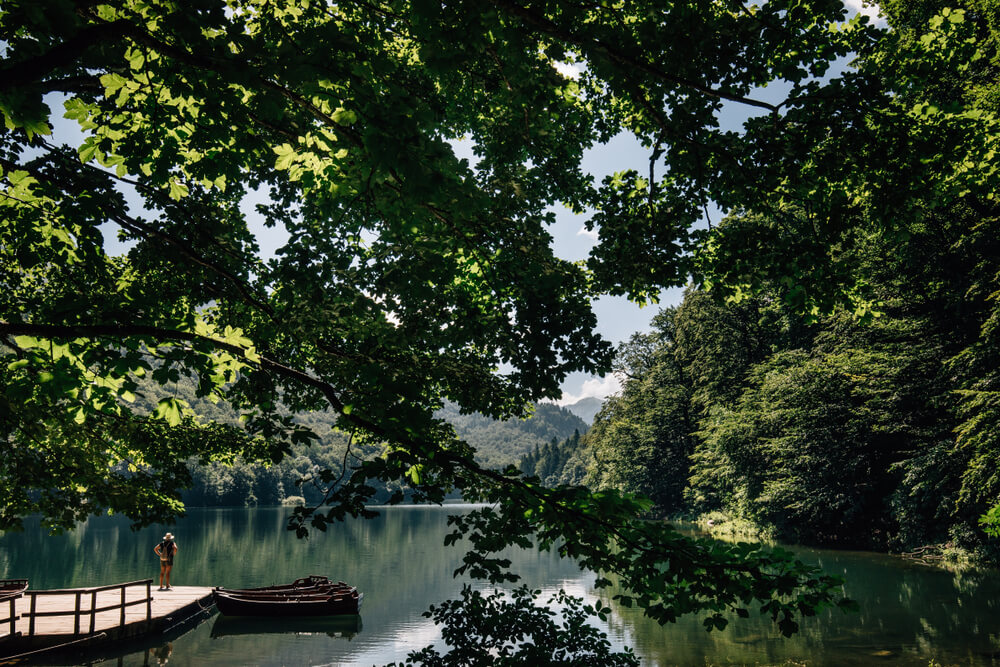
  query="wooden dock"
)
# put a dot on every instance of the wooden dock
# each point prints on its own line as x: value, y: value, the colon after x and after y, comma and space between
x: 88, y: 617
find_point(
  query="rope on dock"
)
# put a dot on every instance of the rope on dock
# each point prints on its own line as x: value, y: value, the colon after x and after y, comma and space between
x: 188, y: 619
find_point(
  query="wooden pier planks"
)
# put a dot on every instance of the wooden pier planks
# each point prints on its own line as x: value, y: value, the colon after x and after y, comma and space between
x: 168, y: 609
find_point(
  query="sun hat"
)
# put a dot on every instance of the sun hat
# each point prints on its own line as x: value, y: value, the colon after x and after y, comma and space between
x: 168, y: 536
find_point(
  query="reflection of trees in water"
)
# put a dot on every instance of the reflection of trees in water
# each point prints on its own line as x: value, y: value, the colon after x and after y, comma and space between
x: 397, y: 560
x: 100, y: 550
x: 909, y: 613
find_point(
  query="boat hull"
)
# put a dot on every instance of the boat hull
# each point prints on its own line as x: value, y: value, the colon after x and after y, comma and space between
x: 309, y: 605
x: 12, y: 588
x: 312, y: 581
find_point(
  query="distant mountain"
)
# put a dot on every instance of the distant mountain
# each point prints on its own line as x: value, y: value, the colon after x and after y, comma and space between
x: 497, y: 443
x: 501, y: 443
x: 586, y: 408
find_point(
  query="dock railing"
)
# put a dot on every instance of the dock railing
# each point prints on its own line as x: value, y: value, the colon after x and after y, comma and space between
x: 11, y: 599
x: 79, y: 611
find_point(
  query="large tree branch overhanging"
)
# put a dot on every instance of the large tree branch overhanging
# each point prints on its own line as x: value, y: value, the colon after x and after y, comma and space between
x: 71, y: 331
x: 226, y: 65
x: 587, y: 523
x: 615, y: 54
x: 438, y: 453
x: 33, y: 72
x: 72, y: 84
x: 147, y: 231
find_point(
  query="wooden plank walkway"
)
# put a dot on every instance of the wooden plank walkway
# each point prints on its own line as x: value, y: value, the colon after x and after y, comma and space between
x: 65, y: 615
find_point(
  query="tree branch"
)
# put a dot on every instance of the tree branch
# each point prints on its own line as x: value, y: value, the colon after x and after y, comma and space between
x: 70, y: 331
x: 25, y: 73
x: 613, y: 53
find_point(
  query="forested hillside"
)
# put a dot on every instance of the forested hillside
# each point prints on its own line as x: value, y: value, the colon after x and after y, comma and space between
x: 502, y: 443
x: 557, y: 462
x: 872, y: 424
x: 833, y: 430
x: 240, y: 482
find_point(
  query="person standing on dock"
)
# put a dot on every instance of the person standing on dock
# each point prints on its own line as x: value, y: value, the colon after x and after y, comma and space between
x: 166, y: 550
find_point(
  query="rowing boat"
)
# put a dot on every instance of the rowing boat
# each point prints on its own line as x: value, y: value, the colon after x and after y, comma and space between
x: 326, y: 588
x: 312, y: 581
x: 304, y: 599
x: 12, y: 588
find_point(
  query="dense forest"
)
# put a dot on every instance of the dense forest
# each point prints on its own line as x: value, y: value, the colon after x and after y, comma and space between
x: 296, y: 478
x: 868, y: 425
x: 875, y: 432
x: 502, y: 443
x: 557, y: 462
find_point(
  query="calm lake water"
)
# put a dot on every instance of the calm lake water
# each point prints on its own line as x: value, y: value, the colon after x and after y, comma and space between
x: 910, y: 614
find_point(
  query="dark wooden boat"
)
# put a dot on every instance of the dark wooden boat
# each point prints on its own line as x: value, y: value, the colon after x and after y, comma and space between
x: 312, y: 581
x: 278, y: 598
x: 297, y: 599
x: 12, y: 588
x: 283, y: 591
x: 312, y: 605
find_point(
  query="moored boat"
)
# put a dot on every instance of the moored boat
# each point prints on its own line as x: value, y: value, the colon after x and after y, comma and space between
x: 312, y: 581
x: 10, y: 588
x: 290, y: 600
x: 286, y: 591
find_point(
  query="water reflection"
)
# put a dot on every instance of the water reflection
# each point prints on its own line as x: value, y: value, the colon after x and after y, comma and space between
x: 910, y: 614
x: 333, y: 626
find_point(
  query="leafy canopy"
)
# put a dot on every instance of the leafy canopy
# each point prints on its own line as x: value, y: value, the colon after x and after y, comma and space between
x: 410, y: 277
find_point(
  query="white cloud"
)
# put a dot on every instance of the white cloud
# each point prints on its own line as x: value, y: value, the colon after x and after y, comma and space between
x: 596, y: 387
x: 869, y: 9
x: 590, y: 233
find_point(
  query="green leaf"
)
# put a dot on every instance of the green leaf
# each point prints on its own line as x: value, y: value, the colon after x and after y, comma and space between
x: 88, y: 149
x: 344, y: 117
x: 169, y: 409
x: 177, y: 190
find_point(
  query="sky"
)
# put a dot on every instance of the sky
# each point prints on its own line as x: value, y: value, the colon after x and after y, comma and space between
x: 617, y: 318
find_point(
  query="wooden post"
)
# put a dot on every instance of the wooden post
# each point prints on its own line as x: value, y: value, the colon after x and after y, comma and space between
x: 76, y: 615
x: 13, y: 609
x: 31, y: 621
x: 93, y: 614
x: 122, y: 621
x: 149, y: 601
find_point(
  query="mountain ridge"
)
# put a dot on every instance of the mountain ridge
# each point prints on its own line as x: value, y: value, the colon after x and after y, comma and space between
x: 586, y: 408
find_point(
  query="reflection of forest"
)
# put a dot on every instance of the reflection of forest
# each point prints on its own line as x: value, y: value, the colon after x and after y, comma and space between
x: 910, y: 614
x: 397, y: 560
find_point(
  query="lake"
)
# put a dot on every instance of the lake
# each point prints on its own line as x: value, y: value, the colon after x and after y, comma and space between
x: 910, y: 613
